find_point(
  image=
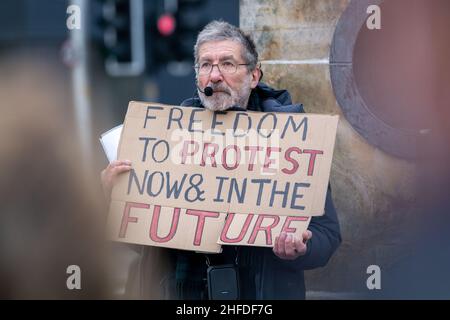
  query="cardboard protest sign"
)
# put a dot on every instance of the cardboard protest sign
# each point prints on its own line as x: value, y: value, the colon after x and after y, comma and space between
x: 246, y: 164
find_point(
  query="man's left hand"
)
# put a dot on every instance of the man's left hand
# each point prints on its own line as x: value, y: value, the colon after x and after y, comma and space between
x: 289, y: 246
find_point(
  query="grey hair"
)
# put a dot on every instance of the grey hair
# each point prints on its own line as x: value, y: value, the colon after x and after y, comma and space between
x: 221, y: 30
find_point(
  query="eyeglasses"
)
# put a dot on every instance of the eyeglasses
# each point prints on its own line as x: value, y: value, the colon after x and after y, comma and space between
x: 226, y: 67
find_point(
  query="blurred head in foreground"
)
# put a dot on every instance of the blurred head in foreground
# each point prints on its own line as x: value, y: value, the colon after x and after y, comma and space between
x: 50, y: 214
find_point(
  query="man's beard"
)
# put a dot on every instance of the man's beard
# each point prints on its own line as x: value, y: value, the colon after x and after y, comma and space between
x: 224, y: 97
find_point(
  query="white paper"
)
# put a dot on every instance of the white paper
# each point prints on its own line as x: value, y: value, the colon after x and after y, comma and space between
x: 110, y: 142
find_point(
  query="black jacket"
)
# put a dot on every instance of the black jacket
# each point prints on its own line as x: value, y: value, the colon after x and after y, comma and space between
x: 262, y: 274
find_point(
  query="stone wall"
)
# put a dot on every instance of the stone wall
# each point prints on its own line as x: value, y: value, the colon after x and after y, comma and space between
x: 373, y: 191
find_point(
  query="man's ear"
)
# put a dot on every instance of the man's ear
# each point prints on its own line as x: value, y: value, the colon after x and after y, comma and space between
x: 256, y: 75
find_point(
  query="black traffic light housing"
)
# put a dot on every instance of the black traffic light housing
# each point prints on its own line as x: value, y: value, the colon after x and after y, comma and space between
x: 123, y: 36
x: 171, y: 33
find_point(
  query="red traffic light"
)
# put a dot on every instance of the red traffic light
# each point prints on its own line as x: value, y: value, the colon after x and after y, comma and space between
x: 166, y: 24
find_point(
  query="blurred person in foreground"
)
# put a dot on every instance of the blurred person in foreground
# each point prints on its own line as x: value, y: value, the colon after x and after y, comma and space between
x: 50, y: 214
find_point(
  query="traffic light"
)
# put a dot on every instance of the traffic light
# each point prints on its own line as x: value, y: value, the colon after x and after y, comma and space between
x: 191, y: 19
x: 173, y: 30
x: 139, y: 35
x: 123, y: 38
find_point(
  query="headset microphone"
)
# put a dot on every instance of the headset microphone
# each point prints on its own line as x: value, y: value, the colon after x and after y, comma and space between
x: 208, y: 91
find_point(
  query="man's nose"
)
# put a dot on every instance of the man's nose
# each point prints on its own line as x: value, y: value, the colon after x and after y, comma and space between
x: 215, y: 75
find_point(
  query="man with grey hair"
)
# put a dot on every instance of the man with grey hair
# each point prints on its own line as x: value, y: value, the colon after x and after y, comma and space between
x: 228, y: 78
x: 236, y: 72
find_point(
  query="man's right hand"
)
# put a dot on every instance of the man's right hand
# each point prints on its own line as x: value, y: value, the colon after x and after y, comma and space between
x: 110, y: 174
